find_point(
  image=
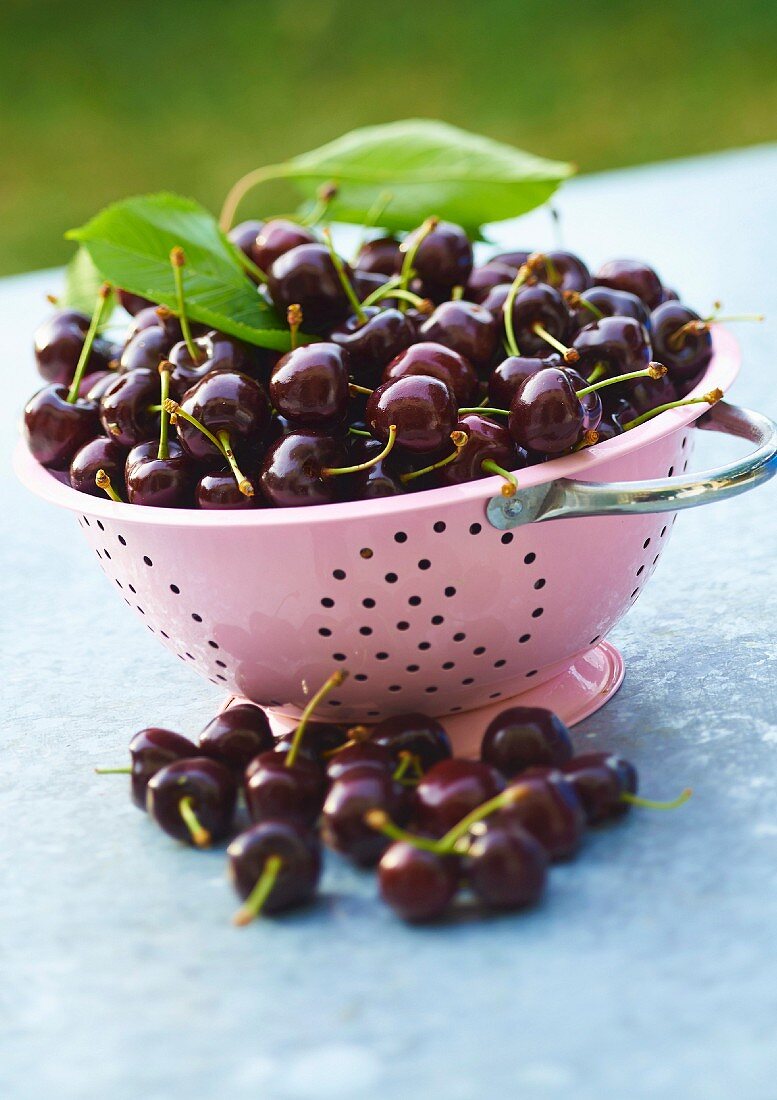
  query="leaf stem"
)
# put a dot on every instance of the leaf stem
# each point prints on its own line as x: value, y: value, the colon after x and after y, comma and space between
x: 103, y: 296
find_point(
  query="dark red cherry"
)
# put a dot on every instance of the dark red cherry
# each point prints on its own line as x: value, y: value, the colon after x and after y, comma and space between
x: 382, y: 479
x: 380, y: 255
x: 534, y: 305
x: 309, y: 386
x: 549, y: 809
x: 215, y: 352
x: 306, y: 276
x: 320, y: 739
x: 507, y: 378
x: 58, y: 344
x: 465, y: 327
x: 669, y: 295
x: 610, y: 303
x: 505, y: 867
x: 291, y: 476
x: 94, y: 385
x: 55, y: 428
x: 418, y: 734
x: 484, y: 279
x: 161, y: 482
x: 146, y: 349
x: 591, y: 403
x: 151, y: 750
x: 154, y: 317
x: 244, y: 235
x: 525, y: 737
x: 372, y: 343
x: 236, y: 736
x: 513, y: 260
x: 486, y: 440
x: 443, y: 259
x: 361, y: 754
x: 125, y: 407
x: 546, y: 415
x: 299, y: 854
x: 436, y: 361
x: 133, y: 303
x: 199, y: 785
x: 218, y: 490
x: 98, y: 454
x: 418, y: 885
x: 277, y: 237
x: 367, y: 282
x: 495, y: 299
x: 422, y: 408
x: 451, y: 790
x: 274, y: 789
x: 561, y: 270
x: 643, y: 393
x: 621, y: 344
x: 682, y: 347
x: 350, y: 797
x: 599, y: 780
x: 633, y: 276
x: 224, y: 401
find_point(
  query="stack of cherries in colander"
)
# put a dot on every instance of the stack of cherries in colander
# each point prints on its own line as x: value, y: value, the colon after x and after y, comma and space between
x: 410, y: 369
x: 439, y: 828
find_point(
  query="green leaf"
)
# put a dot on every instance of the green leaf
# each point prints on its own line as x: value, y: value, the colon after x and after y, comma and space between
x: 82, y: 282
x: 429, y: 168
x: 129, y: 245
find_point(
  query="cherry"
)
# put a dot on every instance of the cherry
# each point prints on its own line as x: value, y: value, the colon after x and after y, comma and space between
x: 423, y: 409
x: 381, y: 256
x: 546, y: 415
x: 56, y: 427
x: 160, y: 476
x: 603, y: 301
x: 669, y: 295
x: 193, y: 800
x: 505, y: 867
x: 544, y: 802
x: 439, y: 253
x: 146, y: 349
x: 633, y: 276
x: 359, y: 790
x: 243, y: 236
x: 306, y: 276
x: 320, y: 741
x: 417, y: 734
x: 360, y: 754
x: 213, y: 352
x: 538, y: 307
x: 619, y: 345
x: 126, y: 407
x: 380, y: 479
x: 436, y: 361
x: 373, y: 342
x: 450, y: 791
x: 309, y: 385
x: 484, y: 279
x: 522, y: 737
x: 514, y: 260
x: 98, y: 454
x: 291, y: 475
x: 417, y: 884
x: 218, y: 490
x: 645, y: 394
x: 599, y: 780
x: 59, y: 341
x: 508, y: 377
x: 273, y: 866
x: 465, y: 327
x: 681, y: 340
x: 132, y: 303
x: 495, y: 299
x: 151, y: 750
x: 591, y: 403
x: 367, y: 284
x: 236, y: 736
x: 94, y: 385
x: 277, y: 237
x: 561, y: 270
x: 489, y: 450
x: 233, y: 409
x: 154, y: 317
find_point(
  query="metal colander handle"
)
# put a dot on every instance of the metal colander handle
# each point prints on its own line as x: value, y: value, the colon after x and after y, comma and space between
x: 564, y: 498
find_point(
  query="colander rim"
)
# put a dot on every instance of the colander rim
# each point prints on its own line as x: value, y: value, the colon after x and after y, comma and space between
x: 722, y: 370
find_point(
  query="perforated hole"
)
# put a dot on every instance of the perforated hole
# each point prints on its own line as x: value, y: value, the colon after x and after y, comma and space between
x: 412, y: 668
x: 365, y: 630
x: 468, y: 680
x: 537, y: 612
x: 475, y: 528
x: 395, y: 687
x: 450, y: 591
x: 197, y: 618
x: 381, y: 656
x: 391, y: 578
x: 373, y: 713
x: 663, y: 531
x: 175, y: 589
x: 164, y: 635
x: 86, y: 521
x: 424, y: 563
x: 140, y: 609
x: 479, y: 650
x: 132, y: 589
x: 400, y: 536
x: 368, y: 602
x: 670, y: 471
x: 189, y: 655
x: 361, y: 677
x: 338, y: 657
x: 424, y: 645
x: 327, y: 601
x: 645, y: 544
x: 437, y: 620
x: 221, y: 664
x: 325, y: 632
x: 414, y: 601
x: 100, y: 525
x: 507, y: 538
x: 641, y: 570
x: 212, y: 644
x: 430, y: 690
x: 529, y: 558
x: 459, y: 637
x: 532, y: 673
x: 524, y: 638
x: 595, y: 639
x: 634, y: 593
x: 118, y: 582
x: 365, y: 552
x: 403, y: 625
x: 500, y: 663
x: 147, y: 560
x: 448, y: 665
x: 338, y: 574
x: 540, y: 583
x: 439, y: 527
x: 496, y: 695
x: 122, y: 540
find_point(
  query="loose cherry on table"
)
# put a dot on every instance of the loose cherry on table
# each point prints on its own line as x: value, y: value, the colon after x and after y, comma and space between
x: 361, y: 789
x: 505, y: 866
x: 450, y: 791
x: 236, y: 735
x: 545, y: 803
x: 151, y: 750
x: 193, y: 800
x: 418, y: 884
x: 418, y: 734
x: 600, y: 779
x: 273, y: 866
x: 525, y: 737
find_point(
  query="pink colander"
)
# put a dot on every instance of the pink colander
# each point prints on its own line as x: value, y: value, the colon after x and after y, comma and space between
x: 443, y: 601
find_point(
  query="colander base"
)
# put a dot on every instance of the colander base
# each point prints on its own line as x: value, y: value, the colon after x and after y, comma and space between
x: 579, y: 690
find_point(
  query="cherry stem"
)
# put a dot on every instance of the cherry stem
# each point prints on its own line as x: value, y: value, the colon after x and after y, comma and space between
x: 345, y: 282
x: 710, y: 398
x: 510, y: 486
x: 590, y: 437
x: 334, y: 681
x: 575, y: 300
x: 248, y: 264
x: 423, y: 305
x: 177, y: 412
x: 325, y: 195
x: 240, y: 189
x: 199, y: 834
x: 358, y: 431
x: 599, y: 371
x: 165, y: 367
x: 571, y: 355
x: 178, y: 260
x: 459, y: 441
x: 335, y: 471
x: 254, y: 903
x: 374, y: 212
x: 126, y: 770
x: 407, y: 761
x: 457, y: 293
x: 696, y: 328
x: 410, y: 252
x: 354, y: 388
x: 541, y: 264
x: 507, y: 309
x: 654, y: 371
x: 101, y: 306
x: 506, y: 798
x: 294, y: 320
x: 102, y: 481
x: 243, y: 484
x: 380, y: 821
x: 382, y: 291
x: 653, y: 804
x: 484, y: 409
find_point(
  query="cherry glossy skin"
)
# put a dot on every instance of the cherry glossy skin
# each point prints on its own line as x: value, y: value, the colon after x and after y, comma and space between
x: 443, y: 258
x: 361, y: 789
x: 55, y: 429
x: 154, y: 317
x: 224, y: 401
x: 507, y: 378
x: 465, y: 327
x: 562, y: 270
x: 513, y: 260
x: 546, y: 415
x: 243, y: 236
x: 645, y: 393
x: 290, y: 475
x: 539, y: 304
x: 215, y: 352
x: 132, y: 303
x: 418, y: 734
x: 633, y: 276
x: 151, y: 750
x: 622, y: 344
x: 218, y: 491
x: 299, y: 852
x: 98, y: 454
x: 418, y: 885
x: 59, y: 341
x: 505, y: 867
x: 611, y: 303
x: 275, y: 790
x: 484, y: 279
x: 306, y: 276
x: 236, y: 735
x: 486, y: 439
x: 591, y: 403
x: 318, y: 740
x: 309, y: 386
x: 436, y: 361
x: 452, y: 789
x: 362, y: 754
x: 124, y: 407
x: 146, y: 349
x: 380, y: 255
x: 525, y: 737
x: 423, y: 409
x: 161, y: 482
x: 685, y: 354
x: 372, y: 344
x: 381, y: 479
x: 549, y: 809
x: 277, y: 237
x: 208, y: 784
x: 599, y: 780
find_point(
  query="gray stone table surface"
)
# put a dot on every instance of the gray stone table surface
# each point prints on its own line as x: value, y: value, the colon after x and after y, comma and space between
x: 650, y: 970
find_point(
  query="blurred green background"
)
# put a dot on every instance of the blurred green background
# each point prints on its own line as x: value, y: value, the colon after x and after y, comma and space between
x: 101, y: 100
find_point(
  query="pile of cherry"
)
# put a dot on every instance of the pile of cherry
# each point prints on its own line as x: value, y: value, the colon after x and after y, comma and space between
x: 409, y: 369
x: 393, y: 795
